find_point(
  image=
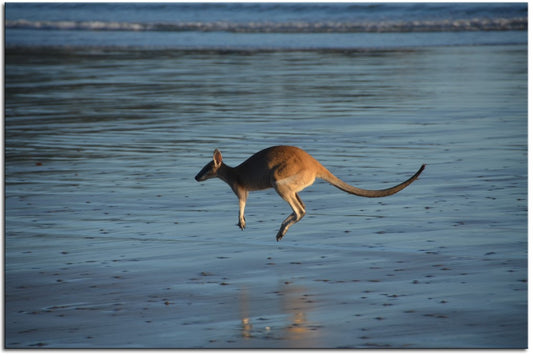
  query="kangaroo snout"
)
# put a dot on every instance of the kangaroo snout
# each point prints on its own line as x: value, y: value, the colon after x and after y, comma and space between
x: 200, y: 177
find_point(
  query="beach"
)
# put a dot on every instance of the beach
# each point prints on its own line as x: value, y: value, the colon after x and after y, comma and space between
x: 145, y: 294
x: 111, y: 243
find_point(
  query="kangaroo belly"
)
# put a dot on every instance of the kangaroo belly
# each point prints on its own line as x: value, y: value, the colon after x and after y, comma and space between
x: 297, y: 182
x: 256, y: 185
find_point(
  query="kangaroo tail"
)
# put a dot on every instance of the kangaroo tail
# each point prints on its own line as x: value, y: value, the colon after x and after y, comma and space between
x: 331, y: 179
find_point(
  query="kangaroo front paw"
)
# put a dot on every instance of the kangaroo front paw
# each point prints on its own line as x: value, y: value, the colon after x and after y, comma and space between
x: 242, y: 224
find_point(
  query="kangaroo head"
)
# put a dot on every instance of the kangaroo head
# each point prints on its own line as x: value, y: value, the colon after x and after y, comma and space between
x: 210, y: 170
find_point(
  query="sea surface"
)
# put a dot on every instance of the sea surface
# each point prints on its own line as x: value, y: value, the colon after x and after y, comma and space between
x: 272, y: 26
x: 111, y: 110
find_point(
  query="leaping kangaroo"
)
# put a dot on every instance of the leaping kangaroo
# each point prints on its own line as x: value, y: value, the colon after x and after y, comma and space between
x: 288, y: 170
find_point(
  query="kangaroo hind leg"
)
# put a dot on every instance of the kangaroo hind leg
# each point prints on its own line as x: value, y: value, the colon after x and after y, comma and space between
x: 298, y: 213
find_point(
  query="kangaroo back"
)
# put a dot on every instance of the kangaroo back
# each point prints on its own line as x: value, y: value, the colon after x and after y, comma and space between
x: 331, y: 179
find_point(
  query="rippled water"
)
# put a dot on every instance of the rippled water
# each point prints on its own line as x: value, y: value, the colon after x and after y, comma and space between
x: 132, y: 129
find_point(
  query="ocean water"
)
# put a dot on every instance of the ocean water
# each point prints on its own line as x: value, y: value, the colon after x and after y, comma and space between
x: 111, y: 110
x: 263, y: 25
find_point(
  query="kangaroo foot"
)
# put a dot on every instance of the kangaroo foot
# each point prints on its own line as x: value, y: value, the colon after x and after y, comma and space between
x: 282, y: 231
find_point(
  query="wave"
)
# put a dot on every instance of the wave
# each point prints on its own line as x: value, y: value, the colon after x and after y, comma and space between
x: 476, y: 24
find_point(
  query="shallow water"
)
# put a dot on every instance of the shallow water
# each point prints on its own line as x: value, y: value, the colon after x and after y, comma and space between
x: 105, y: 222
x: 96, y: 125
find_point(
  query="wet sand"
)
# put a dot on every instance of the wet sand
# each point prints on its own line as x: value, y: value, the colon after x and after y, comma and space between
x: 137, y: 293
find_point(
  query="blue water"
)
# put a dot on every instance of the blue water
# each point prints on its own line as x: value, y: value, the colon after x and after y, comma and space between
x: 264, y: 26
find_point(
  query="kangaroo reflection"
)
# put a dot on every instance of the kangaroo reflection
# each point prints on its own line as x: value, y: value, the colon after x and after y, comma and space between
x: 296, y: 303
x: 282, y: 318
x: 246, y: 326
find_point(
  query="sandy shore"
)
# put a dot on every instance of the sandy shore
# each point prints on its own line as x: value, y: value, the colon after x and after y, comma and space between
x: 136, y: 293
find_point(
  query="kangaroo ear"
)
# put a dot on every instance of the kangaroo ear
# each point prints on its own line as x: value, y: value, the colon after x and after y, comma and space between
x: 217, y: 157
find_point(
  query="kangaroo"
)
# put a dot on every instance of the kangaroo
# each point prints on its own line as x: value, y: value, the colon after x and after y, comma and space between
x: 288, y: 170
